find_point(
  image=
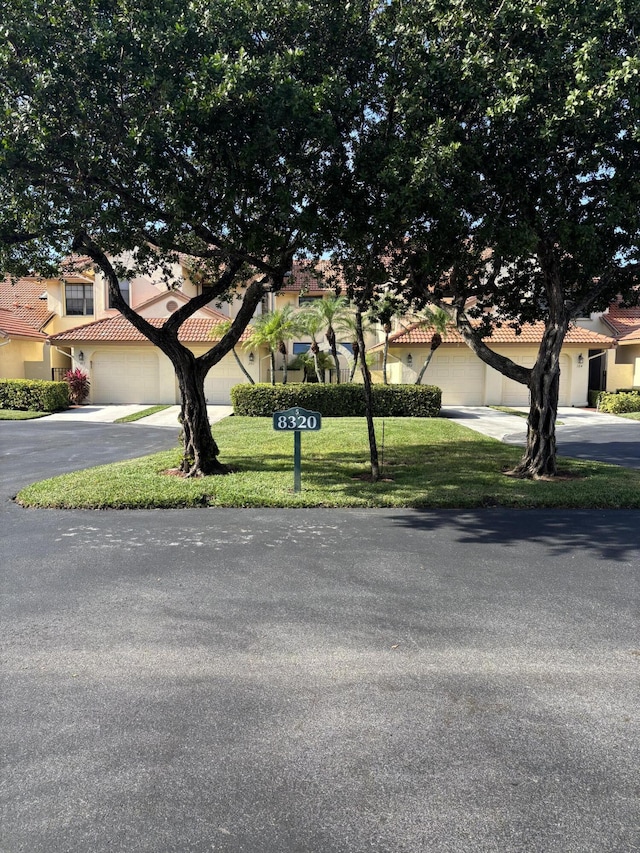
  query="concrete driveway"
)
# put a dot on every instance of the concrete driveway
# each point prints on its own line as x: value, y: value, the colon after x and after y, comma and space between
x: 584, y: 433
x: 256, y: 681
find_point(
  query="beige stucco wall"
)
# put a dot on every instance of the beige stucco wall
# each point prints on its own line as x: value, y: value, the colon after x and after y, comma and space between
x: 21, y: 358
x: 482, y: 383
x: 623, y: 367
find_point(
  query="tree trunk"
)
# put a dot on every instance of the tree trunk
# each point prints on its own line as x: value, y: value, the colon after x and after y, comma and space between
x: 539, y: 458
x: 316, y: 364
x: 385, y: 356
x: 331, y: 338
x: 354, y: 365
x: 368, y: 402
x: 200, y: 453
x: 242, y: 367
x: 273, y: 367
x: 423, y: 369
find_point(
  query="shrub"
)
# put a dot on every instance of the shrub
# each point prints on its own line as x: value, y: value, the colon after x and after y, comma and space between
x: 620, y: 403
x: 337, y: 401
x: 79, y: 385
x: 593, y: 398
x: 35, y: 395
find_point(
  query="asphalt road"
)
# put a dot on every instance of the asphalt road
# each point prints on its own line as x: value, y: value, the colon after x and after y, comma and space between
x: 615, y: 444
x: 313, y: 680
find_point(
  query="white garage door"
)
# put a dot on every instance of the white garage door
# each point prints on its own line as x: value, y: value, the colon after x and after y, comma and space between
x: 461, y: 376
x: 516, y: 394
x: 220, y: 379
x: 127, y: 376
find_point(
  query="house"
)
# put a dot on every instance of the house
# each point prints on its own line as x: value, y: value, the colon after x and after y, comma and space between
x: 25, y: 319
x: 465, y: 380
x: 621, y: 368
x: 72, y: 324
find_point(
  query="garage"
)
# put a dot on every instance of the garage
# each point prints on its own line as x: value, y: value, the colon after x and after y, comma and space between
x: 220, y: 379
x: 460, y: 375
x: 516, y: 394
x: 125, y: 376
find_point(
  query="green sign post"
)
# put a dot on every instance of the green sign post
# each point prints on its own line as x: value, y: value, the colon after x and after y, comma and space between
x: 297, y: 420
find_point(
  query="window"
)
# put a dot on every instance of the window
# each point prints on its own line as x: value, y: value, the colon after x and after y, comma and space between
x: 299, y: 349
x: 124, y: 292
x: 347, y: 345
x: 78, y: 299
x: 309, y: 300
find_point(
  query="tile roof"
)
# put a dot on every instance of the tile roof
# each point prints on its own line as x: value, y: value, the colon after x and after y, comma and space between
x: 119, y: 330
x: 311, y: 277
x: 22, y: 299
x: 418, y: 334
x: 625, y: 322
x: 13, y: 327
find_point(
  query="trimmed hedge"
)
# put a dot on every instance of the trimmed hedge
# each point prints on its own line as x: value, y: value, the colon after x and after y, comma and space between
x: 36, y: 395
x: 337, y: 401
x: 620, y: 403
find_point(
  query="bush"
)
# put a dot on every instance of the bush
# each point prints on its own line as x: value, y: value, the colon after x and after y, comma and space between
x: 337, y: 401
x: 620, y: 403
x: 593, y: 398
x: 79, y: 384
x: 34, y: 395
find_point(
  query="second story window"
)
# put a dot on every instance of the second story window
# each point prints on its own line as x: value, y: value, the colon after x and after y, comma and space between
x: 124, y: 292
x: 78, y: 299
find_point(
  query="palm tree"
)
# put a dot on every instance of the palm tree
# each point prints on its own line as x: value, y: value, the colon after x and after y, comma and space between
x: 437, y: 319
x: 218, y: 332
x: 388, y: 307
x: 274, y: 330
x: 347, y: 324
x: 312, y: 323
x: 331, y: 310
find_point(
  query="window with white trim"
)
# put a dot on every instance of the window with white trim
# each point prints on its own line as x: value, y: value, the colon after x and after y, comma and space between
x: 78, y: 299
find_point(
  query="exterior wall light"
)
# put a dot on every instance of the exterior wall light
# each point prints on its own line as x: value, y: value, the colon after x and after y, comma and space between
x: 409, y: 359
x: 81, y: 357
x: 252, y: 358
x: 580, y: 360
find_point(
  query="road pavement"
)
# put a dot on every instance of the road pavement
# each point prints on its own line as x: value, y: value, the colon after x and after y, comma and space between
x: 582, y: 433
x: 295, y: 681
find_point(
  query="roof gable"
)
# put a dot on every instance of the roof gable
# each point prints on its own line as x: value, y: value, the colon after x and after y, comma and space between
x: 22, y: 299
x: 12, y: 326
x: 120, y: 330
x: 419, y: 334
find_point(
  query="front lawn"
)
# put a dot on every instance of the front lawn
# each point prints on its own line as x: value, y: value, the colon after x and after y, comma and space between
x: 426, y: 463
x: 19, y: 415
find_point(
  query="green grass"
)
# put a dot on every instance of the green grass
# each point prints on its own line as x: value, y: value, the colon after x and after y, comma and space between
x: 17, y: 415
x: 426, y: 463
x: 137, y: 416
x: 517, y: 412
x: 631, y: 416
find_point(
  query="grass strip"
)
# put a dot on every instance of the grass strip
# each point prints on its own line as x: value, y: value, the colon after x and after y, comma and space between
x: 430, y: 463
x: 18, y: 415
x: 137, y: 416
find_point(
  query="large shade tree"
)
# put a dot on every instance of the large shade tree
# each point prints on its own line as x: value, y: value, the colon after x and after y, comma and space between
x: 494, y: 172
x: 515, y: 135
x: 172, y: 128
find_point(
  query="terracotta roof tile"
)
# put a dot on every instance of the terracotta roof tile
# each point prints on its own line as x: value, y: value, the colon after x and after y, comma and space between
x: 119, y: 330
x: 22, y: 299
x: 417, y: 334
x: 12, y: 326
x: 625, y: 322
x: 309, y: 278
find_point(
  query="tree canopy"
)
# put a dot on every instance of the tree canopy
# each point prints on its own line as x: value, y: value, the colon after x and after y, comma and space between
x: 168, y: 128
x: 499, y: 173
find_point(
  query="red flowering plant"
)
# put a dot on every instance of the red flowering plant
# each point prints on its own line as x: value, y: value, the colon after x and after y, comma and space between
x: 79, y: 384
